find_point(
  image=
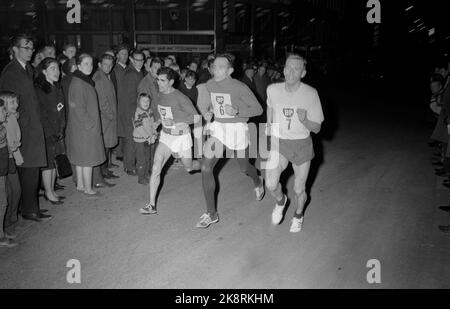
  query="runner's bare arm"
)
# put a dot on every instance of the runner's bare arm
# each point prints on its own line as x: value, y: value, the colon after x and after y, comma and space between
x: 310, y: 125
x: 189, y: 109
x: 204, y: 101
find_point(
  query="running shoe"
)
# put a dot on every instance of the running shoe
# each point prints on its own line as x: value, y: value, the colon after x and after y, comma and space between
x: 296, y: 225
x: 278, y: 212
x: 206, y: 221
x: 260, y: 191
x: 148, y: 209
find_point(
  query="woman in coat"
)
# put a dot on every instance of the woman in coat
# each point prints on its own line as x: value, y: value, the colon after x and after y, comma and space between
x: 84, y: 140
x: 53, y: 119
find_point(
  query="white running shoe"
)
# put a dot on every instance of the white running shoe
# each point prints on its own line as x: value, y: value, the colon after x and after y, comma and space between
x: 148, y: 210
x: 206, y: 221
x: 277, y: 213
x: 296, y: 225
x: 260, y: 191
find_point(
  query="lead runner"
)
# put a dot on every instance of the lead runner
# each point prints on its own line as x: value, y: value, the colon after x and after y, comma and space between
x: 176, y: 113
x: 231, y: 103
x: 296, y: 109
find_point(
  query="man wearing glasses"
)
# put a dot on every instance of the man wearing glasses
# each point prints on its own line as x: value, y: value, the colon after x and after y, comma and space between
x: 127, y: 107
x: 17, y: 77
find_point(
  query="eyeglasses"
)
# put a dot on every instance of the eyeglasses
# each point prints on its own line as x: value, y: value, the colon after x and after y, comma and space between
x: 28, y: 48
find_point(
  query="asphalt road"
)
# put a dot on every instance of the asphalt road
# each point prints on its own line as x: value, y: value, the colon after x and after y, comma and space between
x: 374, y: 196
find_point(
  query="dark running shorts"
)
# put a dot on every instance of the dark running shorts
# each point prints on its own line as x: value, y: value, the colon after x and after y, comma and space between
x: 297, y: 151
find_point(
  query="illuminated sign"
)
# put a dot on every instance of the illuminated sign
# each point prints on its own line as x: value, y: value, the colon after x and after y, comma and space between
x: 177, y: 48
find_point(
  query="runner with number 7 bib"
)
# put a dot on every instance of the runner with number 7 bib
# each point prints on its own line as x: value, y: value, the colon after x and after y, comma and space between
x: 296, y: 110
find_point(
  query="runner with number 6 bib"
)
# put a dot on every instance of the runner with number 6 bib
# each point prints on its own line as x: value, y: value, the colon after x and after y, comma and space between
x: 231, y: 103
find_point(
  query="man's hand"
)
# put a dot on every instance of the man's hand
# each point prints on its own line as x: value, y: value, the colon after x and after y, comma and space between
x: 168, y: 122
x: 152, y: 139
x: 301, y: 113
x: 208, y: 116
x: 180, y: 128
x: 230, y: 110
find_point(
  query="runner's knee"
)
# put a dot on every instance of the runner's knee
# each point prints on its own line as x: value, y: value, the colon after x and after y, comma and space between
x: 299, y: 189
x: 206, y: 166
x: 271, y: 182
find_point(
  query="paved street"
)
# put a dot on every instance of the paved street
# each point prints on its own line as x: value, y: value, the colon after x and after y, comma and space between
x: 374, y: 196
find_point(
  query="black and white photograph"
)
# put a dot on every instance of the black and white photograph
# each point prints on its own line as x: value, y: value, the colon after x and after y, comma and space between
x: 224, y: 150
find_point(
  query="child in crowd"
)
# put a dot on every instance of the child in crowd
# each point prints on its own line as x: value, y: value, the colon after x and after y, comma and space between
x: 15, y: 158
x: 5, y: 241
x: 144, y: 134
x: 12, y: 126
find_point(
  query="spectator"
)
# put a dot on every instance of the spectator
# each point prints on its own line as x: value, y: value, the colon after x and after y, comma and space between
x: 187, y: 87
x: 4, y: 167
x: 69, y: 52
x: 85, y: 147
x: 149, y: 86
x: 108, y: 113
x: 168, y: 62
x: 205, y: 73
x: 119, y: 71
x: 261, y: 84
x: 51, y: 100
x: 249, y: 73
x: 193, y: 66
x: 144, y: 134
x: 17, y: 77
x: 127, y: 107
x: 146, y: 53
x: 13, y: 137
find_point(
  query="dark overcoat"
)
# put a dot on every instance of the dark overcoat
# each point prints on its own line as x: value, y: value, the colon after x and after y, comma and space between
x: 108, y: 107
x: 84, y: 140
x: 127, y: 96
x: 20, y: 81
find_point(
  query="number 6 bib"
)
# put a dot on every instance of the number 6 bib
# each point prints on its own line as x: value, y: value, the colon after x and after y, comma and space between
x: 219, y: 100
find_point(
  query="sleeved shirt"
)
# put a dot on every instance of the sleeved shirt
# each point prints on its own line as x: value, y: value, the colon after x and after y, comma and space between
x: 3, y: 139
x: 229, y: 92
x: 285, y: 104
x: 12, y: 132
x: 177, y: 107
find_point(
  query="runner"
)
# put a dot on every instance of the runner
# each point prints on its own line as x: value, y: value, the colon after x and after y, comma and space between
x: 176, y: 113
x: 232, y: 104
x: 295, y: 108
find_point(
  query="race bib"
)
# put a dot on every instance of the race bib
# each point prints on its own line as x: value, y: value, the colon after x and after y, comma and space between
x: 288, y: 114
x: 166, y: 113
x: 219, y: 101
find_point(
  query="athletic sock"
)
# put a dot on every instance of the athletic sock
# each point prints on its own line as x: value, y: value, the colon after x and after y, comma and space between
x: 298, y: 216
x: 283, y: 200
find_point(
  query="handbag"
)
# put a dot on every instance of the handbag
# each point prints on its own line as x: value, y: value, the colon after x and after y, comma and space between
x: 63, y: 167
x: 62, y: 163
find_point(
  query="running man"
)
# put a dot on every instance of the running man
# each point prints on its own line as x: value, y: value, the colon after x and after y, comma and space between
x: 176, y: 113
x: 296, y: 110
x: 231, y: 103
